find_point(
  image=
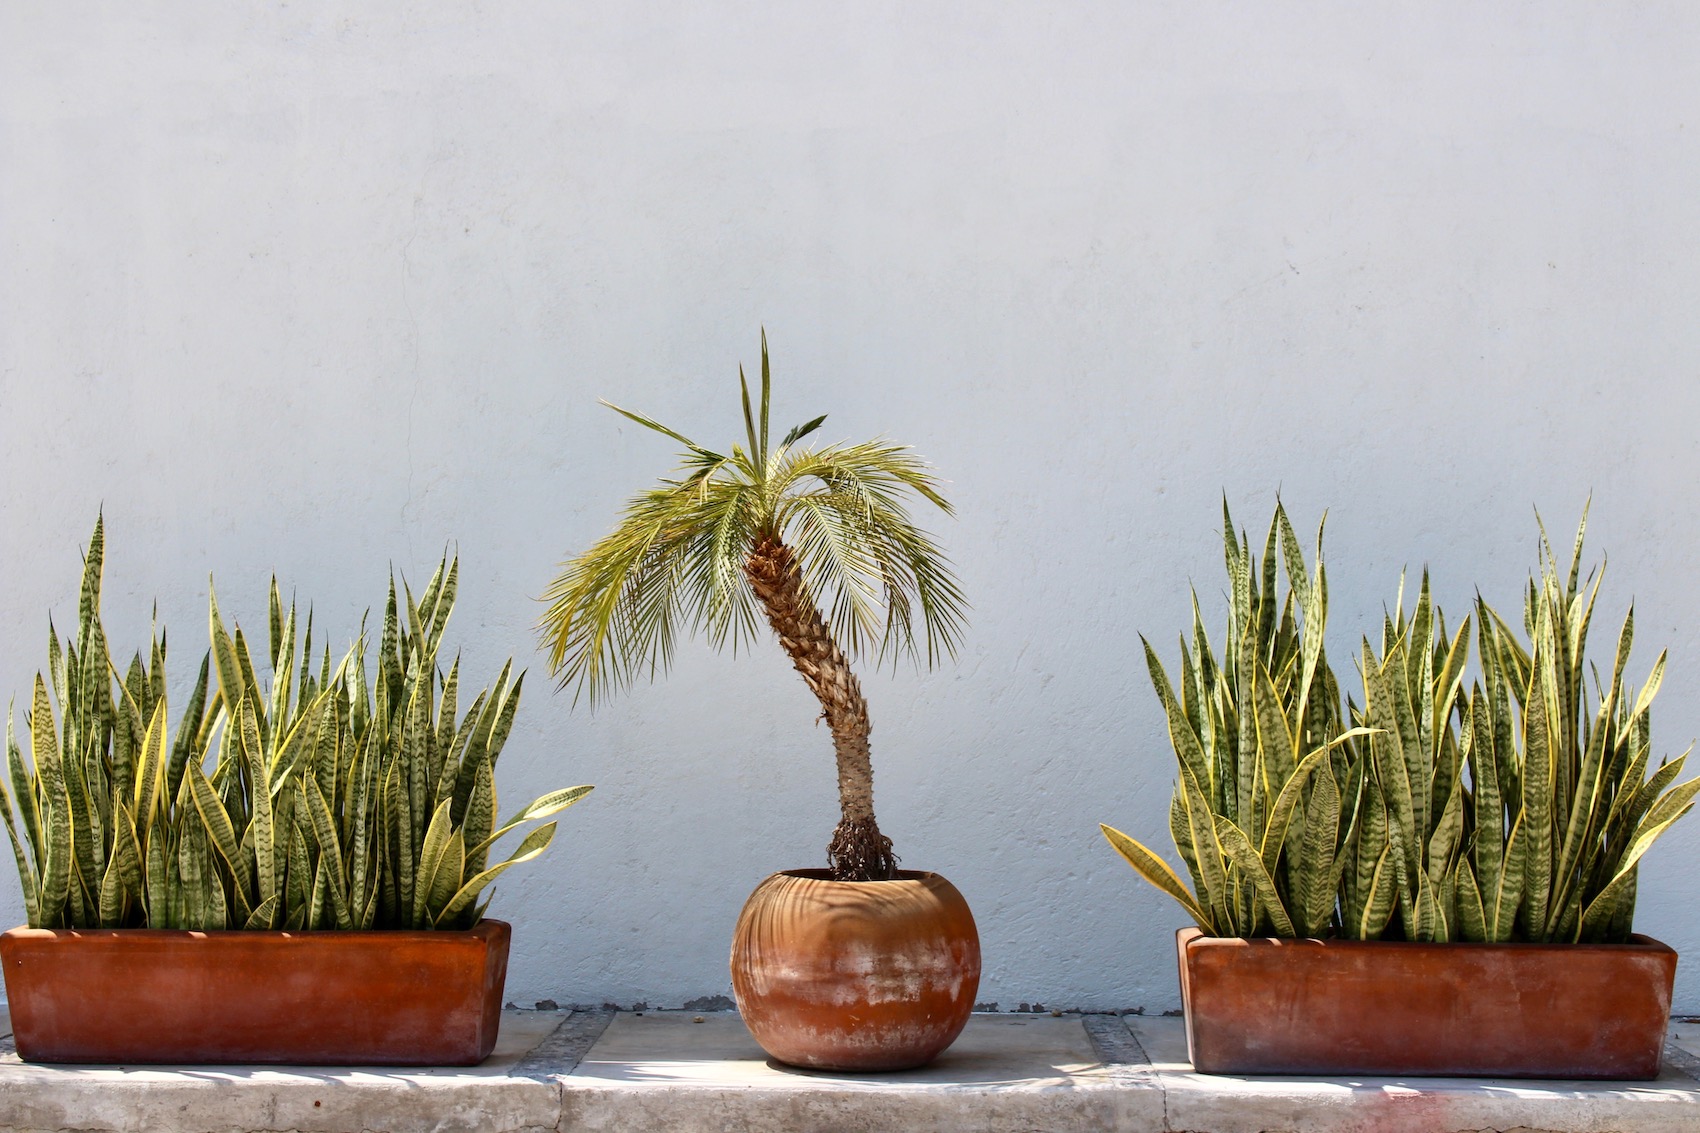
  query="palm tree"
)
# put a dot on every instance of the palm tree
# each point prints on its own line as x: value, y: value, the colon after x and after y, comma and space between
x: 817, y: 540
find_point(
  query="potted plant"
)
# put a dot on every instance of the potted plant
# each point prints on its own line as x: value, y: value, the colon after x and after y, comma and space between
x: 858, y: 966
x: 1439, y: 881
x: 337, y: 799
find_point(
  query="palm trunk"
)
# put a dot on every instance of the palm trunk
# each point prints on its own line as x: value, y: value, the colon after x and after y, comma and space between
x: 858, y: 851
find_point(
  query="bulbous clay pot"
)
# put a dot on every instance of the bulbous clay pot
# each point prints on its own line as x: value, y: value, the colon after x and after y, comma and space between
x: 855, y: 975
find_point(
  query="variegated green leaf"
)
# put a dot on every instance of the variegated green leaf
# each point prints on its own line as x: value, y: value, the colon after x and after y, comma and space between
x: 264, y: 916
x: 504, y: 721
x: 542, y: 807
x: 218, y: 825
x: 1378, y: 909
x: 260, y: 820
x: 26, y: 871
x: 1504, y: 900
x: 1181, y: 735
x: 1537, y: 804
x: 1239, y: 850
x: 430, y: 858
x: 532, y: 845
x: 56, y: 817
x: 1153, y: 869
x: 447, y: 878
x: 1472, y: 916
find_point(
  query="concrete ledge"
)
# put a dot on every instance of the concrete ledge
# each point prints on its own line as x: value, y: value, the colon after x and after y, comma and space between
x: 666, y: 1071
x: 1006, y: 1072
x: 1225, y: 1104
x: 236, y: 1099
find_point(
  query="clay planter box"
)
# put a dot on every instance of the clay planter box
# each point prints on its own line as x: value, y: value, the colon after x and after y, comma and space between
x: 1337, y: 1007
x: 308, y: 998
x: 855, y: 975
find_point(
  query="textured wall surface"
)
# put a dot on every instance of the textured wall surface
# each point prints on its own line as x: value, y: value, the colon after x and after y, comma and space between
x: 314, y: 288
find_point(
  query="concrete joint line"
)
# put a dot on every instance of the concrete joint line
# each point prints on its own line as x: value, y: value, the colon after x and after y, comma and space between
x: 1679, y: 1059
x: 559, y: 1055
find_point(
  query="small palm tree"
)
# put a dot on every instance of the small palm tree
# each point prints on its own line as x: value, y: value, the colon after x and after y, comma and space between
x: 817, y: 540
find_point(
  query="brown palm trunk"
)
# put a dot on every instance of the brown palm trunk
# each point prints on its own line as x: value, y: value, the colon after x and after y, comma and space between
x: 858, y: 851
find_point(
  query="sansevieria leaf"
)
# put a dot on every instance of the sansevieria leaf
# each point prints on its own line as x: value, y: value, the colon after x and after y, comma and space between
x: 1153, y: 869
x: 552, y: 803
x: 532, y: 845
x: 301, y: 801
x: 1239, y: 850
x: 430, y: 859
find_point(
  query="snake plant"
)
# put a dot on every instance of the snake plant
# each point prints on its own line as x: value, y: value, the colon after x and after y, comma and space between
x: 335, y: 797
x: 1515, y: 809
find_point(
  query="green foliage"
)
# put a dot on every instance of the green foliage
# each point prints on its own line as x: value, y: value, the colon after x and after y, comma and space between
x: 336, y: 798
x: 1516, y: 809
x: 676, y: 561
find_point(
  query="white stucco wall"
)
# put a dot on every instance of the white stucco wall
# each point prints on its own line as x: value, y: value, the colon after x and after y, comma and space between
x: 314, y: 288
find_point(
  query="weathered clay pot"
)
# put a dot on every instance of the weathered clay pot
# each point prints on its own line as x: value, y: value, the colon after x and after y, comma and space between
x: 308, y: 998
x: 1392, y: 1008
x: 855, y: 975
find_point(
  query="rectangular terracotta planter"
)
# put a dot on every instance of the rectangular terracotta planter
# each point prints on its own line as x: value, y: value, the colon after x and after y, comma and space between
x: 307, y: 998
x: 1337, y: 1007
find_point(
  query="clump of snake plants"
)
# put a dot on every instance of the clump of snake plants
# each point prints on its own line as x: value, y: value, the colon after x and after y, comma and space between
x: 325, y: 797
x: 1516, y: 808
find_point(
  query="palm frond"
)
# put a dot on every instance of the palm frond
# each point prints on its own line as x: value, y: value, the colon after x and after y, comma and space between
x: 862, y: 489
x: 798, y: 432
x: 840, y: 569
x: 877, y: 469
x: 651, y: 423
x: 616, y: 610
x: 677, y: 560
x: 716, y: 589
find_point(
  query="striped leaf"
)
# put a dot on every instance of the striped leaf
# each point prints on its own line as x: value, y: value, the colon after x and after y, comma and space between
x: 56, y: 808
x: 430, y: 858
x: 1239, y: 850
x: 1201, y: 835
x: 1472, y: 915
x: 1153, y: 869
x: 1537, y: 804
x: 447, y: 877
x: 1316, y: 893
x: 320, y: 801
x: 1504, y: 900
x: 1378, y: 909
x: 532, y: 845
x: 542, y: 807
x: 1186, y: 743
x: 218, y: 825
x: 260, y: 820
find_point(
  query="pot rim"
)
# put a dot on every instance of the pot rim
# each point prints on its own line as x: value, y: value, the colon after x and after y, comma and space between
x: 483, y: 928
x: 904, y: 876
x: 1192, y: 934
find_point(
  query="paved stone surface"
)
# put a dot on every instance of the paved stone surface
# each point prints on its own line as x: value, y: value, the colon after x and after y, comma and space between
x: 1269, y: 1104
x: 1006, y: 1072
x: 235, y: 1099
x: 1682, y: 1048
x: 564, y: 1047
x: 663, y: 1071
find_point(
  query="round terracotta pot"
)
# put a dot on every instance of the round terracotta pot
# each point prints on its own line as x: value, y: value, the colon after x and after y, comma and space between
x: 855, y: 975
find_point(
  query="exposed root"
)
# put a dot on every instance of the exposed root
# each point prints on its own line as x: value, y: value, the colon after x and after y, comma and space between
x: 859, y: 852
